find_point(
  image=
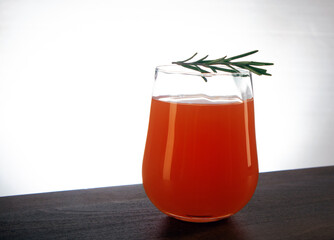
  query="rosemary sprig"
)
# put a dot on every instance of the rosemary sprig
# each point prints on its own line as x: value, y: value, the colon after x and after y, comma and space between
x: 205, y: 66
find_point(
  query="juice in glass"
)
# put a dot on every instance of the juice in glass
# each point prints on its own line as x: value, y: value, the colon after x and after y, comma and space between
x: 200, y: 161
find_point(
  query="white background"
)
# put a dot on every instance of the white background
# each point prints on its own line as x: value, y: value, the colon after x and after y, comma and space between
x: 76, y: 80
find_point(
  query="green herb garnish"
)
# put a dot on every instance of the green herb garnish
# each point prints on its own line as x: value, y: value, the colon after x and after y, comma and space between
x: 204, y: 66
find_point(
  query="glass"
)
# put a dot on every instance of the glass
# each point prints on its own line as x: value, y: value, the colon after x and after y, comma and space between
x: 200, y: 161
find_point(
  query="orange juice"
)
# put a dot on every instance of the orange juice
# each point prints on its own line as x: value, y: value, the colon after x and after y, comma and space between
x: 200, y: 160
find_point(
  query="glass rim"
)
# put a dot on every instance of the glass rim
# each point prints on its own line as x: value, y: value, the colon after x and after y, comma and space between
x: 176, y: 69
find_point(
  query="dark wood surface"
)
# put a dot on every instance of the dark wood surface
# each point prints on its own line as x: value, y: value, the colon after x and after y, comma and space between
x: 287, y: 205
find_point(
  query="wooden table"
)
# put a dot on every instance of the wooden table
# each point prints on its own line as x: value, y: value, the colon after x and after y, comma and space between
x: 296, y: 204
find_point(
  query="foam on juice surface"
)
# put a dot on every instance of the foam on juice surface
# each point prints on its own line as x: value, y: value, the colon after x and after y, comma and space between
x: 199, y: 99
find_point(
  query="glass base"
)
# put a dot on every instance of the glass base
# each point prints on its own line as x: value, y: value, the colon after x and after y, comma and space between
x: 197, y: 219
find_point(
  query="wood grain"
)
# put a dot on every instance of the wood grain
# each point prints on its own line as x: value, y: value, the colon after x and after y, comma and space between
x: 287, y: 205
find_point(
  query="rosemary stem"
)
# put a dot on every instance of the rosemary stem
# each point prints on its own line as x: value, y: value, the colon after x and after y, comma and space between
x: 213, y: 65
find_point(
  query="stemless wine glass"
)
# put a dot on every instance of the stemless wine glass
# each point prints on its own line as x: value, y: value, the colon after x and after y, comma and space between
x: 200, y: 161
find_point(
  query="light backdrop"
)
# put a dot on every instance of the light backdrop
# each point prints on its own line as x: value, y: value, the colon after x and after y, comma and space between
x: 76, y: 80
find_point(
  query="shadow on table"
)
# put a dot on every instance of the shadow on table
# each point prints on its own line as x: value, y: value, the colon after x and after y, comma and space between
x: 224, y: 229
